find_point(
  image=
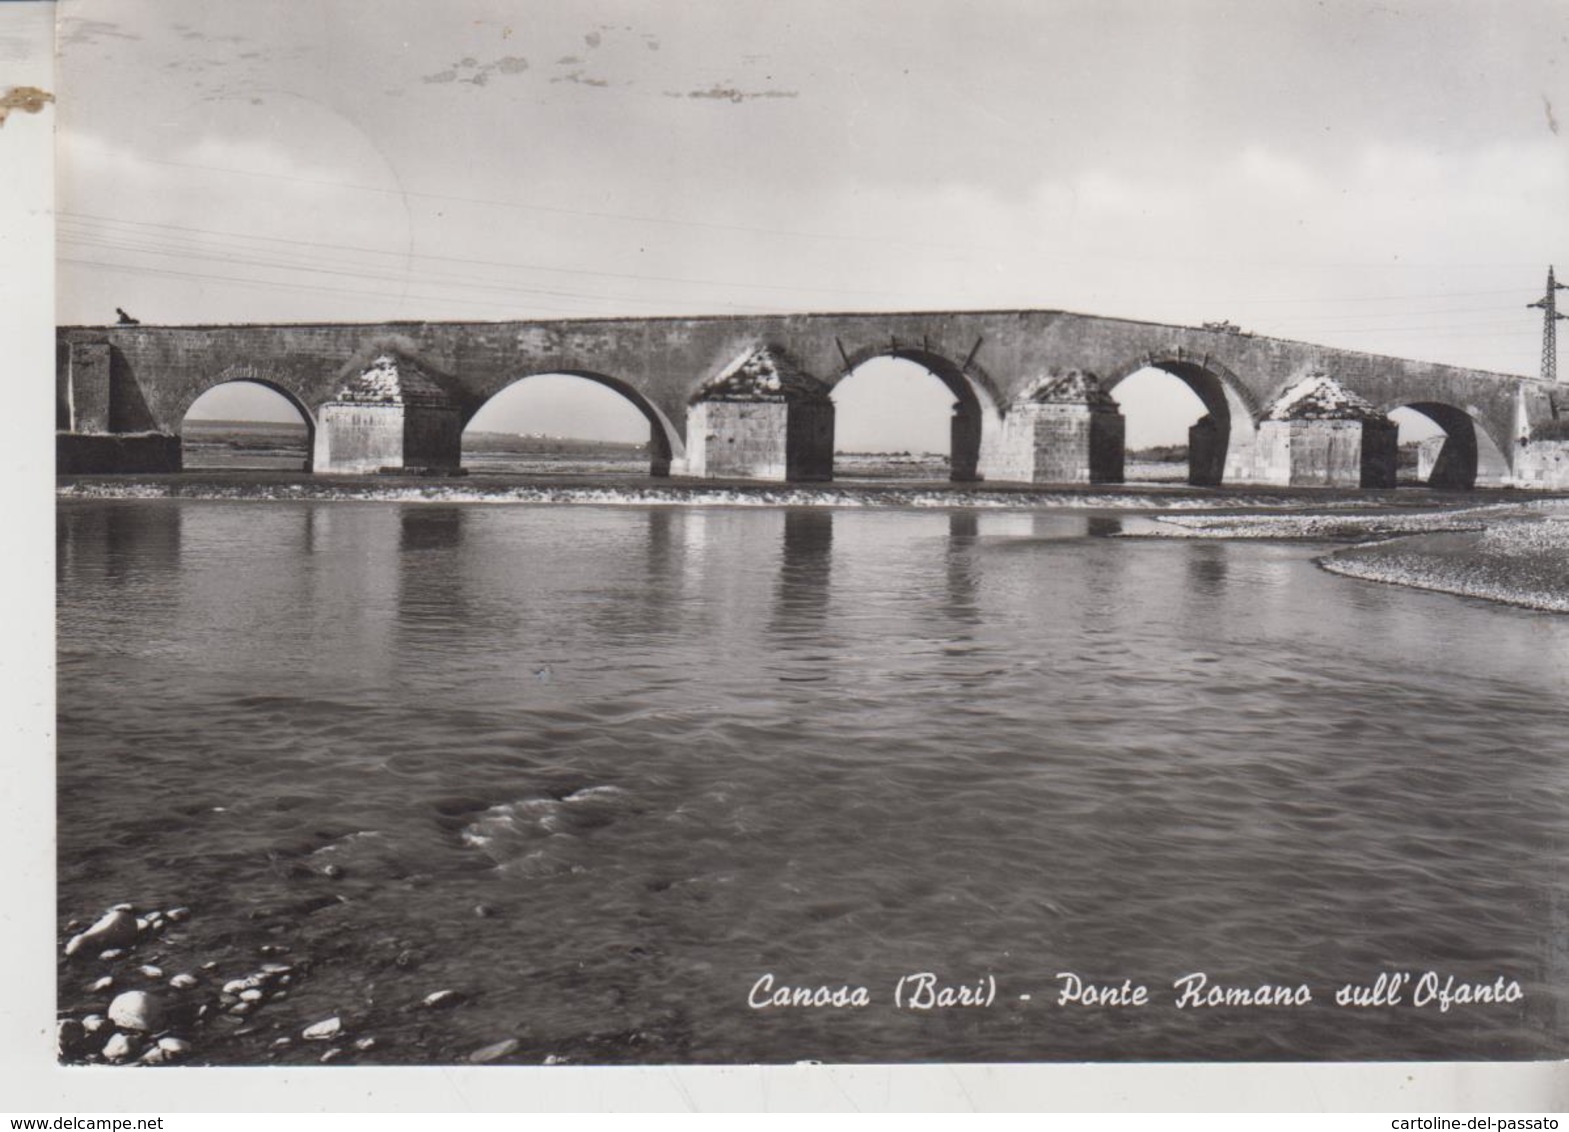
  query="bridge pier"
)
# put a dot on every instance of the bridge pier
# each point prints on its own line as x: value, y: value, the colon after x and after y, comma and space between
x: 1319, y: 434
x: 761, y: 418
x: 87, y: 441
x: 391, y: 416
x: 1061, y: 429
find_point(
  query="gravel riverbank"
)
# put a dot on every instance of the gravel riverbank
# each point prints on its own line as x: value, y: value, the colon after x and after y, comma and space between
x: 1519, y: 560
x: 1514, y: 552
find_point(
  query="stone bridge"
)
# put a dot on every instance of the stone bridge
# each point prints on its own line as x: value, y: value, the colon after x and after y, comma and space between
x: 748, y: 396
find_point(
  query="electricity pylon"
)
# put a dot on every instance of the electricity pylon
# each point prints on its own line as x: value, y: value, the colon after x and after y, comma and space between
x: 1548, y: 304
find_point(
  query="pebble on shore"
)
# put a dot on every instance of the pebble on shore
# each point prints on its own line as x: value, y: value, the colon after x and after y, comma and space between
x: 325, y: 1030
x: 117, y: 929
x: 121, y: 1046
x: 495, y: 1051
x: 136, y: 1010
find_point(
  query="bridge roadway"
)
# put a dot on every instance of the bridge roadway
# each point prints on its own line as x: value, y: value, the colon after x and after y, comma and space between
x: 143, y: 379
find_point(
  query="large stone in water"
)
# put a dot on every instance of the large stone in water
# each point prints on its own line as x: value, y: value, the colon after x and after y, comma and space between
x: 115, y: 930
x: 442, y: 999
x: 136, y: 1010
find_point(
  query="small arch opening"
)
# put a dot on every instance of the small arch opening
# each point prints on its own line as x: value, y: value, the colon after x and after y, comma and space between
x: 565, y: 424
x: 1419, y: 441
x: 899, y: 418
x: 1159, y: 411
x: 1183, y: 411
x: 1441, y: 446
x: 246, y: 425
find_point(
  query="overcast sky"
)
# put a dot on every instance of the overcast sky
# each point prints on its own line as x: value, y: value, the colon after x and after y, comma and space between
x: 1385, y: 177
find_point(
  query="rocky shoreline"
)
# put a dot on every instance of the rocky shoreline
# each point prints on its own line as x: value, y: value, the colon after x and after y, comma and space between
x: 137, y: 1012
x: 127, y: 999
x: 1515, y: 553
x: 142, y: 987
x: 1516, y: 561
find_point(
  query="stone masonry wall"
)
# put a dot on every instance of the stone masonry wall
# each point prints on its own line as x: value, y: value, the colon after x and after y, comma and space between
x: 1310, y: 453
x: 1060, y: 443
x: 1543, y: 464
x: 739, y: 440
x: 352, y: 439
x: 86, y: 381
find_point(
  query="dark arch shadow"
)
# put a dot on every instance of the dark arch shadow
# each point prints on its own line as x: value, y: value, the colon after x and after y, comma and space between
x: 307, y: 417
x: 664, y: 443
x: 1468, y: 453
x: 976, y: 401
x: 1226, y: 405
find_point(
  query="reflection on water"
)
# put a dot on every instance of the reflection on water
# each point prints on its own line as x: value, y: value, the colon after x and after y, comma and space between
x: 672, y: 749
x: 805, y: 569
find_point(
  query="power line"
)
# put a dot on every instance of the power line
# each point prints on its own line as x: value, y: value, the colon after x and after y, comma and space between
x: 132, y: 269
x: 545, y: 208
x: 729, y: 283
x: 274, y: 264
x: 196, y: 249
x: 836, y: 237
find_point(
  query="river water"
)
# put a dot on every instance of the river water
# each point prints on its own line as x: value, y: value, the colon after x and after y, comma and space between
x: 601, y: 769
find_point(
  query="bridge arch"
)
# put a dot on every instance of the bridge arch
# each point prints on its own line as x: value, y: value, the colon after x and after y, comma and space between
x: 977, y: 411
x: 306, y: 414
x: 664, y: 440
x: 1470, y: 454
x: 1220, y: 446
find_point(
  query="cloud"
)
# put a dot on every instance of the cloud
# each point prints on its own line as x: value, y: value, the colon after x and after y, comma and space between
x: 731, y: 94
x: 80, y: 32
x: 471, y: 70
x: 580, y: 78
